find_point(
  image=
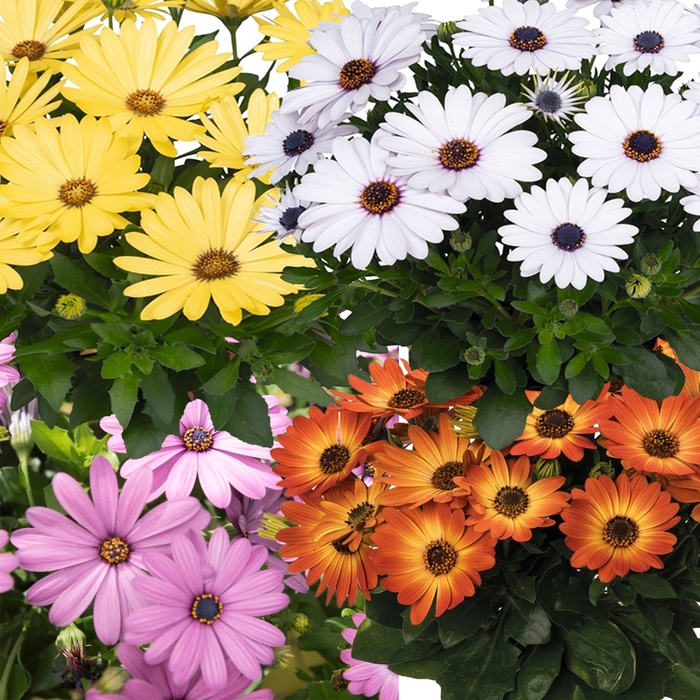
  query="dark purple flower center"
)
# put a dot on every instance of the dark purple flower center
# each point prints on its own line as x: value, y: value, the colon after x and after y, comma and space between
x: 648, y: 42
x: 297, y: 142
x: 380, y: 197
x: 290, y: 217
x: 527, y: 39
x: 206, y: 608
x: 115, y: 550
x: 548, y: 101
x: 642, y: 145
x: 198, y: 439
x: 568, y: 237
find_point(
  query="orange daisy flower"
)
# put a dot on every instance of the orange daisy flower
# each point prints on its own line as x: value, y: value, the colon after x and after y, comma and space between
x: 507, y: 503
x: 340, y: 570
x: 427, y: 472
x: 549, y: 433
x: 692, y: 377
x: 652, y: 436
x: 348, y: 509
x: 684, y: 490
x: 319, y: 451
x: 615, y: 527
x: 393, y: 391
x: 429, y: 555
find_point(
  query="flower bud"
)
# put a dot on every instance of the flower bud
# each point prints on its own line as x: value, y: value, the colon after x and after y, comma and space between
x: 586, y: 88
x: 301, y: 623
x: 638, y: 286
x: 112, y: 681
x: 602, y: 468
x: 71, y: 643
x: 263, y: 369
x: 568, y: 308
x: 473, y: 355
x: 460, y: 241
x: 70, y: 306
x: 339, y: 681
x: 21, y: 437
x: 650, y: 264
x: 545, y: 468
x: 284, y: 657
x: 4, y: 434
x: 271, y: 524
x: 446, y: 30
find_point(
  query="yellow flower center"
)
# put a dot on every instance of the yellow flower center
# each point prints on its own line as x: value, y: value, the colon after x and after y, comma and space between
x: 642, y: 145
x: 511, y: 501
x: 198, y: 439
x: 215, y: 265
x: 77, y: 193
x: 360, y: 514
x: 30, y: 48
x: 3, y: 127
x: 146, y: 103
x: 206, y: 608
x: 620, y: 531
x: 380, y: 197
x: 334, y: 459
x: 439, y: 557
x: 443, y: 477
x: 406, y: 398
x: 527, y: 39
x: 114, y: 550
x: 459, y: 154
x: 356, y: 73
x: 659, y: 443
x: 555, y: 423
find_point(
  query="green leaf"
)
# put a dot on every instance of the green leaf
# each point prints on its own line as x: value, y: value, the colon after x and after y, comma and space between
x: 324, y: 690
x: 441, y: 354
x: 527, y: 623
x: 55, y: 443
x: 466, y: 619
x: 549, y: 361
x: 684, y: 685
x: 113, y: 333
x: 687, y: 347
x: 90, y: 401
x: 124, y: 395
x: 377, y: 643
x: 18, y: 681
x: 190, y: 335
x: 600, y: 654
x: 651, y: 586
x: 74, y: 277
x: 500, y: 418
x: 250, y: 421
x: 363, y: 317
x: 159, y: 394
x: 447, y: 385
x: 177, y: 357
x: 538, y: 672
x: 412, y: 632
x: 116, y: 365
x: 585, y: 385
x: 51, y: 376
x: 285, y: 349
x: 505, y: 377
x: 225, y: 379
x: 300, y: 387
x: 484, y: 668
x: 142, y: 437
x: 650, y: 373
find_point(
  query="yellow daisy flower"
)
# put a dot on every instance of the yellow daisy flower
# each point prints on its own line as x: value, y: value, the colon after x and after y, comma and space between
x: 34, y: 29
x: 19, y: 247
x: 149, y: 81
x: 205, y: 244
x: 22, y: 100
x: 229, y: 130
x: 294, y: 30
x: 130, y: 9
x: 71, y: 178
x: 226, y: 10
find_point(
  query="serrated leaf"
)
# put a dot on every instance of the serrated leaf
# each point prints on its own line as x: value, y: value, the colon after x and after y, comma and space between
x: 51, y: 376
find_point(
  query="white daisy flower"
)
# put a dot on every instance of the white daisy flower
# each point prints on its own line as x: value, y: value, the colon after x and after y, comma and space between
x: 356, y: 59
x: 364, y: 205
x: 290, y: 145
x: 282, y: 217
x: 691, y: 204
x: 649, y: 34
x: 555, y: 99
x: 462, y: 148
x: 641, y: 141
x: 602, y: 7
x: 692, y: 93
x: 567, y: 232
x: 520, y: 37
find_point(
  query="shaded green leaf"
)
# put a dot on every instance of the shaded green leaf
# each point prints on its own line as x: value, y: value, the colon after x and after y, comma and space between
x: 300, y: 387
x: 51, y: 376
x: 500, y: 417
x: 538, y: 672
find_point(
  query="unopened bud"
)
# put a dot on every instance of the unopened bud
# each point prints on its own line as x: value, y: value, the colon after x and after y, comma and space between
x: 545, y: 468
x: 301, y: 623
x: 4, y: 434
x: 638, y: 286
x: 586, y: 88
x: 111, y: 681
x: 21, y: 437
x: 263, y: 369
x: 460, y: 241
x: 602, y: 468
x: 339, y: 682
x: 446, y: 30
x: 71, y: 643
x: 284, y: 657
x: 70, y: 306
x: 473, y: 355
x: 650, y: 264
x: 568, y: 308
x: 271, y: 524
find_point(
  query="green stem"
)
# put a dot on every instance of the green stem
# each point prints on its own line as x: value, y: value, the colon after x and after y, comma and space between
x: 4, y: 681
x: 24, y: 478
x: 499, y: 307
x: 691, y: 292
x: 375, y: 288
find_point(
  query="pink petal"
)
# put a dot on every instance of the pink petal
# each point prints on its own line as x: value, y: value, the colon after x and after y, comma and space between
x: 57, y: 524
x: 45, y: 591
x: 107, y: 610
x: 160, y: 524
x: 234, y: 645
x: 233, y: 566
x: 225, y: 442
x: 38, y: 552
x: 214, y: 478
x: 161, y: 647
x: 196, y: 414
x: 186, y: 655
x: 72, y: 602
x: 137, y: 689
x: 218, y: 548
x: 213, y: 663
x: 186, y: 560
x: 76, y: 503
x: 257, y: 630
x: 182, y: 476
x: 154, y: 622
x: 4, y: 538
x: 172, y: 447
x: 105, y: 492
x: 132, y: 501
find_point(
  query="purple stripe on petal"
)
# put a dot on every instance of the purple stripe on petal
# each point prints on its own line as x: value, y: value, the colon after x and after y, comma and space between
x: 137, y: 689
x: 76, y: 503
x: 72, y: 602
x: 161, y: 648
x: 186, y: 655
x: 214, y: 474
x: 159, y: 525
x: 182, y: 476
x: 213, y: 663
x: 45, y: 591
x: 40, y: 553
x: 257, y: 630
x: 218, y: 548
x: 196, y: 414
x: 154, y: 622
x: 107, y: 610
x: 53, y: 522
x: 105, y: 492
x: 132, y: 501
x: 237, y: 650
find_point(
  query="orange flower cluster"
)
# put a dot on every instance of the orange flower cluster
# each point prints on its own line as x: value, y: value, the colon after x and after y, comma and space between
x: 396, y: 490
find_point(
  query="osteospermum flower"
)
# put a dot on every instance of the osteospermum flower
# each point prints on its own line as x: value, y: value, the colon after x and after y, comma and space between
x: 430, y: 556
x: 355, y: 60
x: 149, y: 81
x: 72, y: 179
x: 602, y: 7
x: 641, y: 141
x: 684, y: 490
x: 204, y: 245
x: 652, y: 35
x: 20, y: 247
x: 282, y: 217
x: 550, y: 432
x: 427, y: 472
x: 217, y: 458
x: 228, y: 9
x: 691, y: 204
x: 464, y: 149
x: 205, y: 605
x: 365, y: 206
x: 320, y: 450
x: 228, y: 131
x: 8, y: 563
x: 519, y: 37
x: 651, y: 436
x: 341, y: 571
x: 131, y: 9
x: 553, y: 98
x: 112, y: 426
x: 45, y: 35
x: 367, y: 679
x: 294, y: 30
x: 289, y: 144
x: 506, y: 503
x: 567, y: 232
x: 615, y: 527
x: 8, y: 374
x: 98, y: 552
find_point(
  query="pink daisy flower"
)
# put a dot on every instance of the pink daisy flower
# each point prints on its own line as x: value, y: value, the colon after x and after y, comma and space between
x: 99, y: 553
x: 8, y: 375
x: 367, y: 678
x: 204, y: 606
x: 156, y: 682
x: 8, y: 563
x: 113, y: 427
x: 216, y: 457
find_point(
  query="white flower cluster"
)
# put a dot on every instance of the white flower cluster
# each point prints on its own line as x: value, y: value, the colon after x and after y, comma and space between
x: 399, y: 193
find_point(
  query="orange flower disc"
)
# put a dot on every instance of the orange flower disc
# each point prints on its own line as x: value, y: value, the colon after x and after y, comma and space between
x: 615, y: 527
